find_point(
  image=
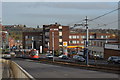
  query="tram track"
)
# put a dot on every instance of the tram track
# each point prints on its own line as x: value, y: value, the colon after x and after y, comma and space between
x: 103, y: 67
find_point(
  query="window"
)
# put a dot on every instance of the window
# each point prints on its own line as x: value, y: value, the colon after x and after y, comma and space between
x: 78, y: 41
x: 60, y: 33
x: 70, y: 41
x: 26, y: 37
x: 83, y: 37
x: 47, y: 34
x: 60, y: 37
x: 74, y: 37
x: 46, y: 39
x: 70, y: 37
x: 46, y: 45
x: 28, y: 42
x: 74, y: 42
x: 106, y: 36
x: 78, y: 37
x: 60, y: 45
x: 102, y: 36
x: 60, y: 27
x: 55, y: 29
x: 60, y: 30
x: 60, y: 40
x: 82, y: 42
x: 91, y: 37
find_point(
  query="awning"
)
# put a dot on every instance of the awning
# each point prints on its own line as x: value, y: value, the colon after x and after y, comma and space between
x: 75, y: 47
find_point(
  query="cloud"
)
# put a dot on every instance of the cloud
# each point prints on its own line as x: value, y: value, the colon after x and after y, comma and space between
x: 60, y: 0
x: 74, y: 5
x: 47, y: 12
x: 83, y: 5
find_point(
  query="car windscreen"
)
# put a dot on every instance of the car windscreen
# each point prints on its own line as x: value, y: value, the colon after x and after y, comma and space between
x: 48, y: 55
x: 116, y: 57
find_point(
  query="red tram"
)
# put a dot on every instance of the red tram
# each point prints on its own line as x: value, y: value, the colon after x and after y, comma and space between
x: 34, y: 54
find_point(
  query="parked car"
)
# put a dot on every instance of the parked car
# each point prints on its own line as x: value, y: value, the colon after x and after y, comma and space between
x: 78, y: 58
x: 13, y: 54
x: 7, y: 55
x: 49, y: 56
x: 26, y: 56
x: 98, y: 57
x: 63, y: 57
x: 114, y: 59
x: 19, y: 54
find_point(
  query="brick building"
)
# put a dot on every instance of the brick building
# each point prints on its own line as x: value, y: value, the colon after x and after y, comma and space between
x: 30, y: 38
x: 111, y: 49
x: 79, y: 38
x: 61, y: 34
x: 96, y: 41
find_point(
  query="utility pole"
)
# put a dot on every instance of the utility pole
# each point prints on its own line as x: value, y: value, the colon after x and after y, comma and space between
x: 53, y: 44
x: 87, y: 39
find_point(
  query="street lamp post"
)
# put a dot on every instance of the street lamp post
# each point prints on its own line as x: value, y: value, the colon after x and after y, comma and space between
x: 53, y: 44
x: 48, y: 47
x: 32, y: 42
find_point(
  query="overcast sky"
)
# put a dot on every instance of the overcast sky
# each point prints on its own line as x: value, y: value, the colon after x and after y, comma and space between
x: 65, y: 13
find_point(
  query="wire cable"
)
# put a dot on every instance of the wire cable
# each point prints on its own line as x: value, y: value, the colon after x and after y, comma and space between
x: 104, y: 14
x: 107, y: 24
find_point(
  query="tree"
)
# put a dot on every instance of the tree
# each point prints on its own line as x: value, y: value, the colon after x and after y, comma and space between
x: 24, y: 26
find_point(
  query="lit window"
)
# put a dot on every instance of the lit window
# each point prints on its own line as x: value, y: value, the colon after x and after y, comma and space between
x: 60, y: 27
x: 60, y: 45
x: 106, y: 36
x: 70, y: 37
x: 74, y: 37
x: 60, y: 33
x: 55, y: 29
x: 60, y: 40
x: 82, y: 42
x: 102, y: 36
x: 78, y: 41
x: 83, y: 37
x: 74, y: 42
x: 78, y: 37
x: 26, y: 37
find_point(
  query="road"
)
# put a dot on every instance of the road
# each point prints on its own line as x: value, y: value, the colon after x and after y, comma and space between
x: 91, y: 61
x: 40, y: 70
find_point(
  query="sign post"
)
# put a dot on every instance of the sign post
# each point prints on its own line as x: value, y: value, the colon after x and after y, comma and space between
x: 65, y: 48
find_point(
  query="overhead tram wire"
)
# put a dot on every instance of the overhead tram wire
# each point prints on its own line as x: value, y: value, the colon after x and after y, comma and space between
x: 104, y: 14
x: 107, y: 24
x: 98, y: 17
x: 76, y: 23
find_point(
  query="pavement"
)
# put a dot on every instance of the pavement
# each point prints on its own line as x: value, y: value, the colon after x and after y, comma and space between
x: 1, y: 71
x: 1, y: 67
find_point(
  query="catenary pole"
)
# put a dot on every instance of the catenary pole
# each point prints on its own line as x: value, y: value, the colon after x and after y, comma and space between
x: 87, y: 40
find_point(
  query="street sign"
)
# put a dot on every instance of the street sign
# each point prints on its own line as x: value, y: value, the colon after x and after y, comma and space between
x: 64, y: 43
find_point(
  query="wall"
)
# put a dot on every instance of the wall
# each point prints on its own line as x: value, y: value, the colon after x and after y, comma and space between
x: 111, y: 52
